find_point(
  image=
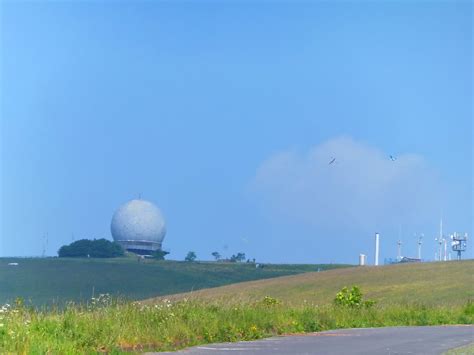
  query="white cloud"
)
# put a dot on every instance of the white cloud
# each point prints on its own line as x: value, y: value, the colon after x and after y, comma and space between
x: 362, y: 190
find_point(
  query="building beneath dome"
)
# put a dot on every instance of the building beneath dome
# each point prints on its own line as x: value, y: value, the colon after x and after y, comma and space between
x: 139, y: 227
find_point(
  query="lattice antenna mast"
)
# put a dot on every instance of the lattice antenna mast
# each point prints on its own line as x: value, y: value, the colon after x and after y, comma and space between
x: 45, y: 244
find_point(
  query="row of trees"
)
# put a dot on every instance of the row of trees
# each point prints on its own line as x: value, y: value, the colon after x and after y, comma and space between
x: 103, y: 248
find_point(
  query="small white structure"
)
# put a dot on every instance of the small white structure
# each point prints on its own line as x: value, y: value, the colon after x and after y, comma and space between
x: 362, y: 259
x: 13, y: 264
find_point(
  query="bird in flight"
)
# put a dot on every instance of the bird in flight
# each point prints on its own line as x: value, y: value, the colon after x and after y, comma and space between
x: 332, y: 161
x: 392, y: 158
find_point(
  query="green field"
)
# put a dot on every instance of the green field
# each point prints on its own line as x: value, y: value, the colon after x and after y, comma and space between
x: 438, y: 283
x: 43, y: 281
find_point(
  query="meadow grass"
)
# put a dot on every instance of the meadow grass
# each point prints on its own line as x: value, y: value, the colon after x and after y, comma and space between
x: 114, y: 326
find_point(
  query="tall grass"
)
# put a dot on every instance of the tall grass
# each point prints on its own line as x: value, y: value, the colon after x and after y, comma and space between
x: 114, y: 326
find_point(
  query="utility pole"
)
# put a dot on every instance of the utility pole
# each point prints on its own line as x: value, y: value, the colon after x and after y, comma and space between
x: 399, y: 250
x: 440, y: 240
x: 419, y: 246
x: 445, y: 249
x: 377, y: 245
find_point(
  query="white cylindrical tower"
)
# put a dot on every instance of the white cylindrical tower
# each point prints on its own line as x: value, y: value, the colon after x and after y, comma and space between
x: 362, y: 259
x: 377, y: 237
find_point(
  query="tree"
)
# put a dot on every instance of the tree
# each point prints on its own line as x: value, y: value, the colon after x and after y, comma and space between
x: 190, y: 257
x: 216, y: 255
x: 238, y: 258
x: 96, y: 248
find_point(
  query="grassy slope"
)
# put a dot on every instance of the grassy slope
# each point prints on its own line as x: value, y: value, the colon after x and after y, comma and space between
x: 427, y: 283
x: 43, y: 280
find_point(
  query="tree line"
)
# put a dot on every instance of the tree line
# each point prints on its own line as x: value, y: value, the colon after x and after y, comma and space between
x: 103, y: 248
x: 235, y: 258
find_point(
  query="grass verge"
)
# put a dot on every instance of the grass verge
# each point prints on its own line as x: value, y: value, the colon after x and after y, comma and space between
x: 463, y: 350
x: 112, y: 326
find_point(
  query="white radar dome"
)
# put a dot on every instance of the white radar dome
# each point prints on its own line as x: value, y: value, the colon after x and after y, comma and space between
x: 138, y: 226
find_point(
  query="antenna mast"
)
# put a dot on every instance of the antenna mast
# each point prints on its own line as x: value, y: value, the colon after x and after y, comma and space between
x: 44, y: 247
x: 45, y: 244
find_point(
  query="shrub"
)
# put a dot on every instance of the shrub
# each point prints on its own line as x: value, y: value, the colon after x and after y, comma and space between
x: 352, y: 298
x: 270, y: 301
x: 469, y: 308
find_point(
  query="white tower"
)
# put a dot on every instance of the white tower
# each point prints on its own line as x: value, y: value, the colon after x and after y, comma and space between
x: 377, y: 237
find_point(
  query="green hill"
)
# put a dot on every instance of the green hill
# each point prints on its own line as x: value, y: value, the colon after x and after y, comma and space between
x: 47, y: 280
x: 427, y: 283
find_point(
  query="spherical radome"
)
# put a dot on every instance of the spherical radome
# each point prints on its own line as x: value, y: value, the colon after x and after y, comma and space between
x: 138, y: 224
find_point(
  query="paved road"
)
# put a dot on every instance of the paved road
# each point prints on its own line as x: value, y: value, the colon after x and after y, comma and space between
x: 369, y: 341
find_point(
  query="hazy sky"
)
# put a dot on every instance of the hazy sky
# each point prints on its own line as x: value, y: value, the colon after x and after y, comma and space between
x: 226, y: 114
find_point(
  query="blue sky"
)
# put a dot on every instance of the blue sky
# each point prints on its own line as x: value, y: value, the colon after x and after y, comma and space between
x: 226, y: 114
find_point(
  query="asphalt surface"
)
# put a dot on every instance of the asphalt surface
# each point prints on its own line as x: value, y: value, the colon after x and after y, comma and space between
x: 368, y: 341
